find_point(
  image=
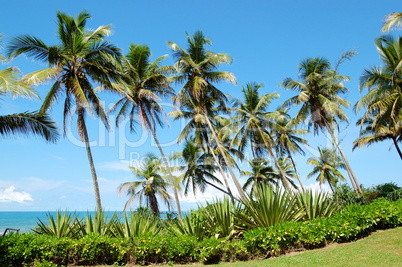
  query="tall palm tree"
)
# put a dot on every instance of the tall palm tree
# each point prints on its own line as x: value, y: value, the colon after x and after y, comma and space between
x: 190, y: 111
x: 144, y: 82
x: 261, y: 173
x: 318, y: 94
x: 26, y: 122
x: 197, y: 169
x: 287, y: 138
x: 150, y: 186
x: 392, y: 20
x: 252, y: 122
x: 326, y: 167
x: 80, y: 57
x: 197, y: 69
x: 383, y: 102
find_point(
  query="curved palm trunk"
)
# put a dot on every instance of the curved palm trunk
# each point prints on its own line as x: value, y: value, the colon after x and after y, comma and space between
x: 225, y: 180
x: 294, y: 166
x: 238, y: 186
x: 223, y: 191
x: 84, y: 132
x: 176, y: 196
x: 352, y: 177
x: 397, y: 147
x: 285, y: 182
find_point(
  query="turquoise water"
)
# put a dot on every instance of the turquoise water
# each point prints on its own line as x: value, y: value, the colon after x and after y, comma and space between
x: 27, y: 220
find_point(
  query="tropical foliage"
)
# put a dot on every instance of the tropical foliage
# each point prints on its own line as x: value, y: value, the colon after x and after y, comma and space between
x: 27, y: 122
x: 81, y: 56
x: 151, y: 184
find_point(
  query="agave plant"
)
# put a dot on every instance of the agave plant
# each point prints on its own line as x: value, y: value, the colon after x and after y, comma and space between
x: 98, y: 224
x: 65, y: 225
x: 315, y: 204
x: 139, y: 223
x: 271, y: 207
x: 221, y: 215
x: 191, y: 225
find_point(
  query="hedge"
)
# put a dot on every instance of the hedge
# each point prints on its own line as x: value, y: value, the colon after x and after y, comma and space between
x: 352, y: 223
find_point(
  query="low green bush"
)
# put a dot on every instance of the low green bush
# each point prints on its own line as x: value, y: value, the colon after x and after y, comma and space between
x: 352, y: 222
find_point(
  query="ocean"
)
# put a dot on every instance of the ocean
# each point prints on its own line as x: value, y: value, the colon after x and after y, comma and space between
x: 27, y: 220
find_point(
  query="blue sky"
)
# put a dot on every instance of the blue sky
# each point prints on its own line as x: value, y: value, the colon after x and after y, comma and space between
x: 267, y: 40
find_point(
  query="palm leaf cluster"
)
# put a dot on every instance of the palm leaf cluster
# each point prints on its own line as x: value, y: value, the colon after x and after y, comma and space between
x: 220, y: 130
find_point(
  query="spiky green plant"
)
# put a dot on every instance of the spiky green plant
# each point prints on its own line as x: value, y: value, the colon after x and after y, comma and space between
x: 191, y: 225
x: 271, y: 207
x: 315, y: 204
x: 64, y: 225
x: 138, y: 224
x: 220, y: 214
x: 99, y: 224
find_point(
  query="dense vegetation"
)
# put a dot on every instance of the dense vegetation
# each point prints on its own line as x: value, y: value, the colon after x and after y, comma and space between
x: 144, y: 239
x: 270, y: 214
x: 220, y: 129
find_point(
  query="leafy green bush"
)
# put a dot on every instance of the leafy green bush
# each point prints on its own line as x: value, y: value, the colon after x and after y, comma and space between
x: 352, y: 222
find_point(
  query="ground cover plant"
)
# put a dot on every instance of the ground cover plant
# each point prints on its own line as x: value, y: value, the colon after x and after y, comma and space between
x: 165, y: 244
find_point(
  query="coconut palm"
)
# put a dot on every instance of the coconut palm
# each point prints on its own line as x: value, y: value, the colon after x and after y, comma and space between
x: 80, y: 57
x: 252, y: 122
x: 197, y: 69
x: 318, y: 94
x: 370, y: 135
x: 392, y: 20
x: 144, y: 82
x: 383, y: 102
x: 150, y: 186
x: 261, y: 173
x: 326, y: 167
x: 26, y: 122
x: 287, y: 138
x: 198, y: 170
x: 190, y: 111
x: 284, y: 172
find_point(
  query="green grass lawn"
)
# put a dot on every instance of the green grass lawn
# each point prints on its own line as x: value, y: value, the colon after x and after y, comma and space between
x: 382, y: 248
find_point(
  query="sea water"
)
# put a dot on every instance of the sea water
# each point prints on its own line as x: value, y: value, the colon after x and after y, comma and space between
x: 27, y: 220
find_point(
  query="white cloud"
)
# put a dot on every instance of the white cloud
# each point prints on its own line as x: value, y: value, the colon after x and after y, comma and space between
x: 37, y: 184
x: 122, y: 165
x: 10, y: 195
x: 62, y: 197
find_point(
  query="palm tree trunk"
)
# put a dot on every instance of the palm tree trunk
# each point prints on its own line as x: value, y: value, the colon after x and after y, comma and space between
x: 352, y: 177
x: 285, y: 182
x: 173, y: 181
x: 223, y: 191
x: 397, y: 147
x: 294, y: 166
x: 225, y: 180
x: 238, y: 186
x: 83, y: 129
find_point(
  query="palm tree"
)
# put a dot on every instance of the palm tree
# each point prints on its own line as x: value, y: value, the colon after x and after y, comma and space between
x: 252, y: 120
x: 190, y: 110
x: 26, y: 122
x: 196, y: 167
x: 81, y: 56
x: 370, y: 135
x: 285, y: 172
x: 326, y: 167
x: 287, y: 139
x: 150, y: 186
x: 144, y: 82
x: 318, y: 94
x: 197, y: 69
x: 392, y: 20
x: 261, y: 173
x: 383, y: 102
